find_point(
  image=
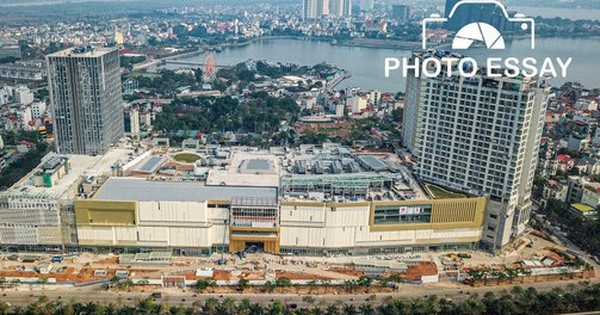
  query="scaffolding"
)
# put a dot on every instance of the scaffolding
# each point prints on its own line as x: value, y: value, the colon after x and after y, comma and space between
x: 337, y: 185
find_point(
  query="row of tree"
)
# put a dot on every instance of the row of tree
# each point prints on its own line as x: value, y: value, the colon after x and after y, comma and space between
x: 582, y: 297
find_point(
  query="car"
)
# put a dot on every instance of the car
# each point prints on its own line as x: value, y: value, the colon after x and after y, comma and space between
x: 156, y: 295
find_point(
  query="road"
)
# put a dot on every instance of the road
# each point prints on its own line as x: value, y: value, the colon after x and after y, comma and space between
x: 455, y: 291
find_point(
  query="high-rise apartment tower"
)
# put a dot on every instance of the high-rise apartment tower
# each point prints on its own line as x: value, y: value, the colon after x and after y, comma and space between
x: 85, y: 91
x: 481, y: 136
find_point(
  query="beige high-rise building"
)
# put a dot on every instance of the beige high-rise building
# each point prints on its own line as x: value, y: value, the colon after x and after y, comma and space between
x: 340, y: 8
x: 478, y: 135
x: 313, y: 9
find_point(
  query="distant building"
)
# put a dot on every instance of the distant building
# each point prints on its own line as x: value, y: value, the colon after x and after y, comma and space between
x: 119, y: 38
x: 22, y: 95
x: 591, y: 194
x: 340, y: 8
x: 313, y: 9
x: 400, y: 12
x: 10, y: 51
x: 366, y: 5
x: 465, y: 14
x: 24, y: 70
x: 584, y: 211
x: 85, y: 91
x: 129, y: 86
x: 134, y: 116
x: 554, y: 190
x: 38, y: 109
x: 340, y: 110
x: 576, y: 186
x: 357, y: 104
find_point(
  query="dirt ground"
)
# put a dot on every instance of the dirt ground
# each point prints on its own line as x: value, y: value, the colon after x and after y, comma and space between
x: 350, y: 272
x: 298, y: 276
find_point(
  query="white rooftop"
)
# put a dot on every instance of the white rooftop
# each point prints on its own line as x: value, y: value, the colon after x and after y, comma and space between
x: 79, y: 165
x: 248, y: 169
x: 140, y: 189
x: 95, y: 52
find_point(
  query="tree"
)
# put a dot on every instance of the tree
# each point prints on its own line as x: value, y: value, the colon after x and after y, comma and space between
x: 308, y: 299
x: 365, y: 281
x: 332, y: 309
x: 128, y: 283
x: 243, y: 284
x: 42, y: 281
x: 210, y: 305
x: 283, y: 282
x: 115, y: 280
x: 276, y: 308
x: 384, y: 282
x: 349, y: 309
x: 350, y: 285
x: 366, y: 309
x: 270, y: 286
x: 203, y: 284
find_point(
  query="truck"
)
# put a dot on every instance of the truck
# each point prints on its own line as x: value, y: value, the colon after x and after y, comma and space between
x: 57, y: 259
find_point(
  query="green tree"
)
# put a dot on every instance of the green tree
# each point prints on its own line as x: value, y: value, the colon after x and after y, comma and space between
x: 204, y: 284
x: 366, y: 309
x: 283, y: 282
x: 210, y: 306
x: 365, y: 281
x: 42, y: 281
x: 115, y: 280
x: 243, y: 284
x: 270, y: 286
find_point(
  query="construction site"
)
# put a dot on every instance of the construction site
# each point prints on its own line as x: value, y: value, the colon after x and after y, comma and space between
x: 535, y: 260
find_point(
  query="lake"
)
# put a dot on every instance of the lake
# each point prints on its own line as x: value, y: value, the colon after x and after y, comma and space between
x: 367, y: 64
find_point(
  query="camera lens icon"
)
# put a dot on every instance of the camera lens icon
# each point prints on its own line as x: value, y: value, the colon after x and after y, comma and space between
x: 478, y: 32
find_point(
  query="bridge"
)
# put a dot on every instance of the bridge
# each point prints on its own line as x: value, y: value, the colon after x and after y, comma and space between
x: 192, y: 64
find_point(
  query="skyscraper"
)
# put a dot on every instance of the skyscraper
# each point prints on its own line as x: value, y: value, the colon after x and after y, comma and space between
x: 85, y: 91
x: 471, y: 12
x: 400, y: 12
x: 340, y: 7
x: 312, y: 9
x: 478, y: 135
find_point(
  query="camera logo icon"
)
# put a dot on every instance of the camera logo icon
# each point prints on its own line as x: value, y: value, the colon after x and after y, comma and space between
x: 471, y: 32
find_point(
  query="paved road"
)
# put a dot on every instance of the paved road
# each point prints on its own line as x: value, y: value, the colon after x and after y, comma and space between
x: 456, y: 292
